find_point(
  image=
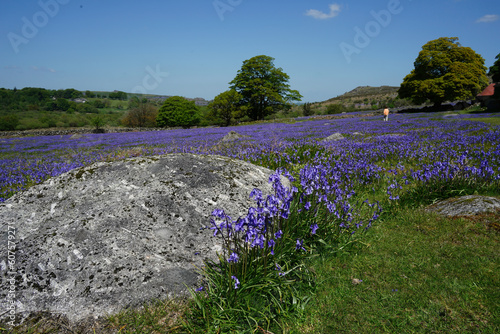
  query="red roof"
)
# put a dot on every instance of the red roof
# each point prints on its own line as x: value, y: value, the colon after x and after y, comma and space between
x: 488, y: 91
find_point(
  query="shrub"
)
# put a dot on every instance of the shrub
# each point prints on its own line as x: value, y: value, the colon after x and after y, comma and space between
x: 177, y: 111
x: 87, y: 108
x: 98, y: 122
x: 8, y: 122
x: 142, y: 113
x: 334, y: 108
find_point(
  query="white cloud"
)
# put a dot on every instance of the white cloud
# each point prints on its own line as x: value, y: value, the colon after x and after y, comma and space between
x: 488, y: 18
x: 319, y: 15
x: 43, y: 69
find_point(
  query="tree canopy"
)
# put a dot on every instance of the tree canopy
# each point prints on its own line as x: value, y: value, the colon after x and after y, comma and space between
x: 224, y: 109
x: 495, y: 69
x: 263, y: 87
x: 177, y: 111
x: 445, y: 71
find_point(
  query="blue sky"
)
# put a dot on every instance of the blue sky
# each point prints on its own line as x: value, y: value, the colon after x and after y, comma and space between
x: 194, y: 48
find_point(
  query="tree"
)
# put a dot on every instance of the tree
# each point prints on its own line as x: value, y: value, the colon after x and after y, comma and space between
x: 444, y: 71
x: 495, y: 69
x: 224, y: 109
x: 142, y: 113
x: 62, y: 104
x: 118, y: 95
x: 307, y: 110
x: 263, y: 87
x: 69, y: 93
x: 177, y: 111
x: 89, y: 94
x: 98, y: 122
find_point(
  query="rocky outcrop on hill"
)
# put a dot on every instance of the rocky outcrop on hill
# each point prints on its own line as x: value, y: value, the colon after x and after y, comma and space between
x: 114, y: 235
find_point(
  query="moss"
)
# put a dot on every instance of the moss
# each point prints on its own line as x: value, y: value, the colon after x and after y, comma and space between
x: 79, y: 174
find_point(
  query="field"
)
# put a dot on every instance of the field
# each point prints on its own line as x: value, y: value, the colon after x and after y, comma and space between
x: 347, y: 249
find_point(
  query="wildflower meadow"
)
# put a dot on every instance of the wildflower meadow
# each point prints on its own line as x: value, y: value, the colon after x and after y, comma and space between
x: 276, y: 260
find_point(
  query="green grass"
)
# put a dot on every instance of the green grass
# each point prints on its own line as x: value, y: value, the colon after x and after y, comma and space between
x: 489, y: 120
x: 420, y: 274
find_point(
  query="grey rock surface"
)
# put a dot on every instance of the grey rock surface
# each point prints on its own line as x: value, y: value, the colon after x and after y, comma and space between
x: 232, y: 136
x: 113, y: 235
x: 466, y: 206
x: 334, y: 137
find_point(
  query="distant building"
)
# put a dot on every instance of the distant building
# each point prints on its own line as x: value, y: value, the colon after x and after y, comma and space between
x: 487, y: 98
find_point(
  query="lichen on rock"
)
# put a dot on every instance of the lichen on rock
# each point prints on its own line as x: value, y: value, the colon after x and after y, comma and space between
x: 113, y: 235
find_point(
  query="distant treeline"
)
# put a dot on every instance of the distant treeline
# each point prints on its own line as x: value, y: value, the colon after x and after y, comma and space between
x: 12, y: 100
x: 34, y: 107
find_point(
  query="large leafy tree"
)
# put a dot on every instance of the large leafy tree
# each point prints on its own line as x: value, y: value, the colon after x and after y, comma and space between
x: 263, y: 87
x: 224, y: 109
x: 495, y: 69
x: 445, y: 71
x: 177, y: 111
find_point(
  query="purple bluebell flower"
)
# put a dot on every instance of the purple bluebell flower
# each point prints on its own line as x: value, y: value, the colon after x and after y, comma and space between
x: 314, y: 228
x: 233, y: 258
x: 271, y: 244
x: 278, y: 268
x: 299, y: 244
x: 236, y: 282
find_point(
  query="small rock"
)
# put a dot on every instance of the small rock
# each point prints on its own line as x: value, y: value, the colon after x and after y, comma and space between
x: 466, y: 206
x: 336, y: 136
x: 232, y: 136
x: 356, y: 281
x: 76, y: 136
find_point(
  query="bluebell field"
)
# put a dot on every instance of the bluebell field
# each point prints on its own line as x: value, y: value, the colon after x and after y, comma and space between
x: 321, y: 206
x: 426, y: 148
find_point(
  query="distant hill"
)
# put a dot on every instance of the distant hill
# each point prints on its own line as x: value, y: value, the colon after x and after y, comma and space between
x: 199, y: 101
x: 366, y: 94
x: 362, y: 98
